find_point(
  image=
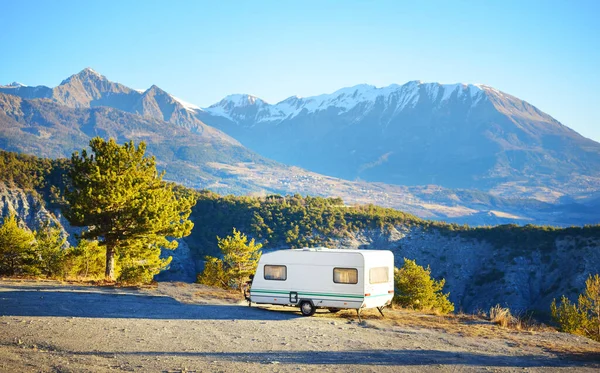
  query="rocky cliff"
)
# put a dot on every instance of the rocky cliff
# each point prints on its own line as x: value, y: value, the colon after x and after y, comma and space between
x: 28, y: 206
x: 480, y: 274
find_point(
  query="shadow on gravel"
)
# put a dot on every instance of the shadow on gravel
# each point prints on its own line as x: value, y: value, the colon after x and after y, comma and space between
x: 139, y: 306
x: 369, y: 357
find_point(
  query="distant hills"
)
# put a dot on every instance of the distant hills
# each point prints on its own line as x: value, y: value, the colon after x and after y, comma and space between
x: 511, y: 162
x: 456, y: 136
x: 55, y: 122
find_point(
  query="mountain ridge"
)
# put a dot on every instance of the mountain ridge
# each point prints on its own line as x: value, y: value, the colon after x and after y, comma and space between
x: 188, y: 141
x: 457, y: 136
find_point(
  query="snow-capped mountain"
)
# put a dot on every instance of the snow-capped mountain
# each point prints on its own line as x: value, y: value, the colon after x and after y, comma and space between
x: 455, y: 135
x: 412, y: 134
x: 394, y: 97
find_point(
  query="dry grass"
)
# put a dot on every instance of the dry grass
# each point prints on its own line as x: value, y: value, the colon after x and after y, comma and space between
x: 215, y: 293
x: 471, y: 325
x: 523, y: 321
x: 519, y: 331
x: 500, y: 316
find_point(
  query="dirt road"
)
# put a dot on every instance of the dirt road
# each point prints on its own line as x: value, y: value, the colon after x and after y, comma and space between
x: 176, y: 328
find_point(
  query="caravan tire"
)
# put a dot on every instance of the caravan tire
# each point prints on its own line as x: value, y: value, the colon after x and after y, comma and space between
x: 334, y: 310
x: 307, y: 308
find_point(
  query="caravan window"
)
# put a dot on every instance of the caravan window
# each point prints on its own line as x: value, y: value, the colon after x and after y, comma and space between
x: 278, y: 273
x: 379, y: 275
x: 345, y: 275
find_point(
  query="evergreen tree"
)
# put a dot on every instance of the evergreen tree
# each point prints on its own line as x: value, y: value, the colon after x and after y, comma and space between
x: 86, y: 260
x: 16, y: 247
x: 240, y: 259
x: 589, y: 303
x: 567, y: 316
x: 415, y: 288
x: 582, y: 318
x: 118, y: 194
x: 49, y: 249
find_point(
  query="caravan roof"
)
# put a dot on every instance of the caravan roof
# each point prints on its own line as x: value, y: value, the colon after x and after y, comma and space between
x: 325, y: 256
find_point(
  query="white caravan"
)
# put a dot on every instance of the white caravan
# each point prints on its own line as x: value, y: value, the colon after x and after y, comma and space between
x: 324, y: 278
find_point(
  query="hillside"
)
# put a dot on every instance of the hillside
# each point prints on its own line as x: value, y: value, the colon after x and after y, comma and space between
x: 455, y: 136
x: 46, y: 129
x: 533, y: 264
x: 523, y: 268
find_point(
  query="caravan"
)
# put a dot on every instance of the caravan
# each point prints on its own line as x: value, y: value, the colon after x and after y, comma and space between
x: 324, y: 278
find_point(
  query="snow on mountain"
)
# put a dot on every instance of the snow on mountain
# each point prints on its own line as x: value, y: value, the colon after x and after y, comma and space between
x: 396, y: 97
x: 186, y: 105
x: 14, y: 85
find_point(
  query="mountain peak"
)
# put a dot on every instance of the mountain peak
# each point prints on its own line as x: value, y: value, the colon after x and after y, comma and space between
x: 89, y: 70
x: 240, y: 99
x: 393, y: 98
x: 156, y: 89
x: 86, y: 74
x: 15, y: 85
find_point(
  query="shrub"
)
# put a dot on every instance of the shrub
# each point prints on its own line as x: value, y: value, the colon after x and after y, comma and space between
x: 139, y: 263
x: 17, y: 255
x: 500, y: 315
x: 49, y: 251
x: 87, y: 260
x: 136, y: 274
x: 240, y: 258
x: 416, y: 289
x: 582, y: 318
x: 503, y: 317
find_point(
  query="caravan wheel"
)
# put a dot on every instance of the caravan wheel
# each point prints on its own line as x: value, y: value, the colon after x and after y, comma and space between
x: 307, y: 308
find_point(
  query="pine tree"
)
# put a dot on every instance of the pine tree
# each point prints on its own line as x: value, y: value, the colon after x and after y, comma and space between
x: 582, y: 318
x: 86, y: 260
x: 49, y: 249
x: 16, y: 247
x: 567, y: 316
x: 415, y: 288
x: 589, y: 303
x: 120, y: 196
x: 240, y: 258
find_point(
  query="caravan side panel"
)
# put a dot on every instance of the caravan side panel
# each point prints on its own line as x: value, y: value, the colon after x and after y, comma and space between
x: 310, y: 275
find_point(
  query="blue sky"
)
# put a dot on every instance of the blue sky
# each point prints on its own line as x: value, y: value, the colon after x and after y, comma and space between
x: 545, y: 52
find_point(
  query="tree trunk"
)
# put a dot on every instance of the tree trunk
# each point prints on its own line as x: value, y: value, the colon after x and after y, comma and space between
x: 110, y: 263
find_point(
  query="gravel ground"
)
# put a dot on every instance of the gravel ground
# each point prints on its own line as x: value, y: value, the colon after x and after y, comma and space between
x: 49, y: 326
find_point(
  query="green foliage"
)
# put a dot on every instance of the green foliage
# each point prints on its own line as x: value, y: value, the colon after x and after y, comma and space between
x: 290, y: 221
x: 41, y: 175
x: 17, y: 254
x: 87, y: 260
x: 567, y: 316
x: 416, y: 289
x: 49, y: 251
x: 520, y: 240
x: 582, y: 318
x: 589, y: 304
x: 118, y: 194
x: 214, y: 273
x: 140, y: 263
x: 240, y: 258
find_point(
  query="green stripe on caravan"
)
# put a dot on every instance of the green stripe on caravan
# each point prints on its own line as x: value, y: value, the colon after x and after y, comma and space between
x: 338, y: 295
